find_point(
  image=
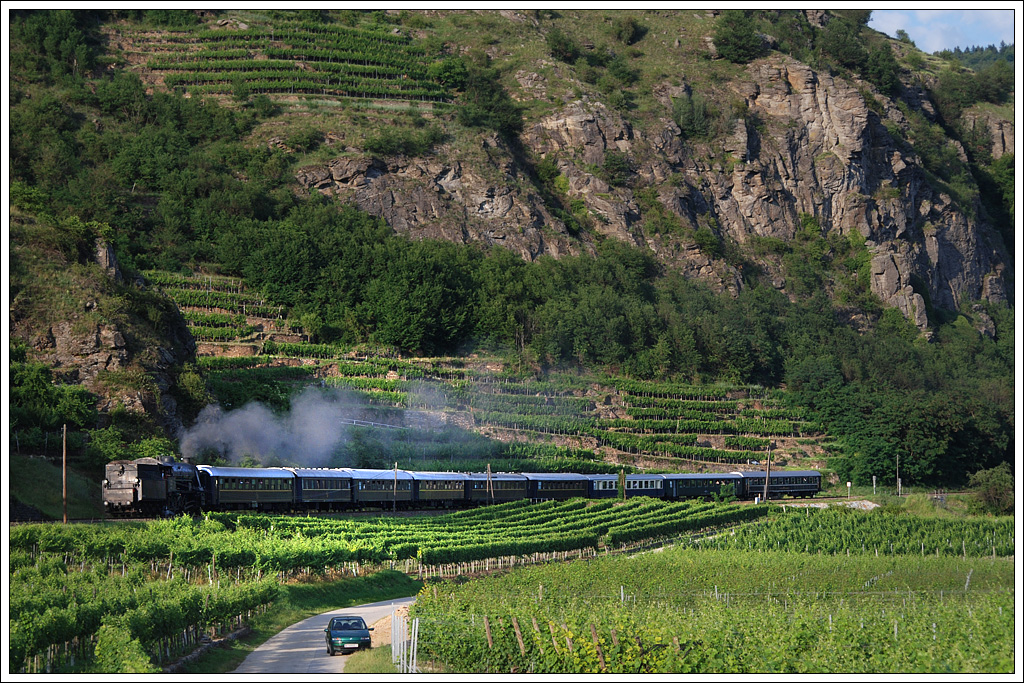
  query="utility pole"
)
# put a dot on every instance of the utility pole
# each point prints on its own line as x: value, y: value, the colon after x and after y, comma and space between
x: 64, y: 471
x: 768, y: 470
x: 490, y: 484
x: 394, y: 496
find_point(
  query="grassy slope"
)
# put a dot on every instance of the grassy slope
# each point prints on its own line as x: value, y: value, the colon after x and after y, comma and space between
x: 38, y: 482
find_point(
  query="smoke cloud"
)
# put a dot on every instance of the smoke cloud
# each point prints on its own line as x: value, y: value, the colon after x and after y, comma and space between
x: 307, y: 436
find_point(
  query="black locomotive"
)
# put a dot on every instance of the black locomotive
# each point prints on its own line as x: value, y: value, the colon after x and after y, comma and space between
x: 150, y: 487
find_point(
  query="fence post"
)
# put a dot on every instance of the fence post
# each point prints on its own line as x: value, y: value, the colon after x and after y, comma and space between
x: 519, y: 636
x: 487, y: 628
x: 597, y: 646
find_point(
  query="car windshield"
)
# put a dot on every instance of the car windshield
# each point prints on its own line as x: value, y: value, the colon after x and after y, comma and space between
x: 347, y: 624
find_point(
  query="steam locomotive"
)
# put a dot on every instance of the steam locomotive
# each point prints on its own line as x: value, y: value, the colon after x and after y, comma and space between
x: 151, y: 487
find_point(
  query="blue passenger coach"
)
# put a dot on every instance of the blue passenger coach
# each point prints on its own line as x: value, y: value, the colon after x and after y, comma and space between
x: 322, y: 488
x: 248, y: 488
x: 543, y: 486
x: 798, y: 484
x: 497, y: 487
x: 607, y: 485
x: 381, y: 488
x: 702, y: 485
x: 439, y: 489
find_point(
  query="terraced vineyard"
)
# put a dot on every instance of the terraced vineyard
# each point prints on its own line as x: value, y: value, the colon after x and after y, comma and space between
x: 292, y: 58
x: 248, y: 349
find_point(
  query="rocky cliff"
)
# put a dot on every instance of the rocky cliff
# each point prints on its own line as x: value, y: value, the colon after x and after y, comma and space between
x: 808, y: 144
x: 115, y: 338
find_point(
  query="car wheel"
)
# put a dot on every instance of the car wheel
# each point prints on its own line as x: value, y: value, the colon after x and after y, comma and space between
x: 330, y: 650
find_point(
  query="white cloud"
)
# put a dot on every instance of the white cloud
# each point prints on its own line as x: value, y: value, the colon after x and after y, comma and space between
x: 933, y: 30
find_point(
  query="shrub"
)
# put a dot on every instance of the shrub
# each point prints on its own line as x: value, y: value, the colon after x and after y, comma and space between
x: 994, y: 488
x: 616, y: 169
x: 391, y: 142
x: 736, y: 37
x: 627, y: 30
x: 562, y: 46
x: 693, y: 116
x: 840, y: 41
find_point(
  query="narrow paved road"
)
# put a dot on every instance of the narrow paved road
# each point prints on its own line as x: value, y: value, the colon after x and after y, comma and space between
x: 302, y: 648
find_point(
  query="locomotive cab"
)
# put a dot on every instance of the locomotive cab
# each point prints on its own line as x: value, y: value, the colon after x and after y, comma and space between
x: 134, y: 487
x: 149, y: 487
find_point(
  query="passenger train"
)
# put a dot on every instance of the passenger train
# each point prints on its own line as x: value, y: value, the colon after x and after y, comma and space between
x: 152, y: 487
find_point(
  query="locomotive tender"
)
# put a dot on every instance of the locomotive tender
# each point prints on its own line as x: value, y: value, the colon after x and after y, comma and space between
x: 151, y: 487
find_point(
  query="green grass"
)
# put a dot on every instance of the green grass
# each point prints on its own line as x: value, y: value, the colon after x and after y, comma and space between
x: 375, y: 661
x: 38, y: 482
x: 300, y: 601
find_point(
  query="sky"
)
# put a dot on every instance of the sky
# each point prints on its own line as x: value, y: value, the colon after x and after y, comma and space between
x: 933, y: 30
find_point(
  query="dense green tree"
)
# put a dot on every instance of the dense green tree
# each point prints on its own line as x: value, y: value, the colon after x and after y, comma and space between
x: 839, y: 43
x: 882, y: 69
x: 450, y: 71
x: 736, y: 37
x: 995, y: 488
x: 422, y: 299
x: 54, y: 42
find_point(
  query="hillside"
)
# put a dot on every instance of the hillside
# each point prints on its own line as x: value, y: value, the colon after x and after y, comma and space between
x: 784, y: 226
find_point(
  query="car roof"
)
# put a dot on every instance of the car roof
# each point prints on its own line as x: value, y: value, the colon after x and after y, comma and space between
x: 358, y: 473
x: 555, y: 476
x: 780, y: 473
x: 265, y: 472
x: 702, y: 475
x: 440, y: 476
x: 323, y: 473
x: 500, y: 476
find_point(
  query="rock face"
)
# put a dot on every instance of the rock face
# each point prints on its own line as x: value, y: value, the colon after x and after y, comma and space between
x: 426, y: 198
x: 83, y: 346
x: 1001, y: 130
x: 814, y: 148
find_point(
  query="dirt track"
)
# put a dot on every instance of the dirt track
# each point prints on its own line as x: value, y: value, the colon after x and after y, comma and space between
x: 381, y: 634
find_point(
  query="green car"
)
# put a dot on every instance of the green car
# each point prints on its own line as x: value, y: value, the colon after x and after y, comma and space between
x: 345, y: 634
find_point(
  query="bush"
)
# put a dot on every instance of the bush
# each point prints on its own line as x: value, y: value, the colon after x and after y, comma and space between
x: 627, y: 30
x: 840, y: 41
x: 450, y: 72
x: 616, y: 169
x: 994, y: 488
x: 486, y: 104
x: 737, y: 39
x: 403, y: 141
x: 693, y: 116
x: 562, y: 46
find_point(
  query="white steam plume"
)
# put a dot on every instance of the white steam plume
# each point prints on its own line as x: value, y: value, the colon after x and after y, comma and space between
x: 306, y: 436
